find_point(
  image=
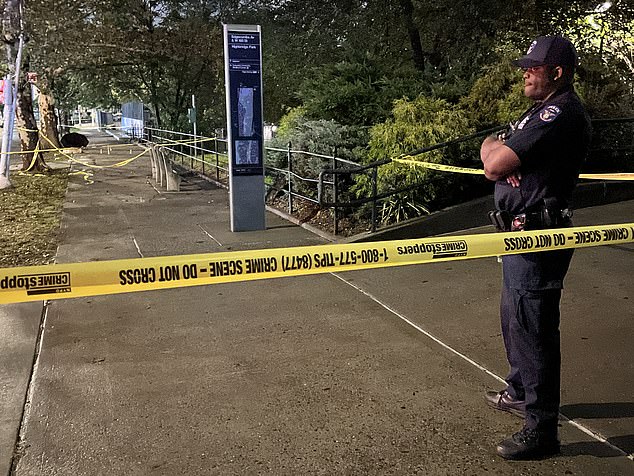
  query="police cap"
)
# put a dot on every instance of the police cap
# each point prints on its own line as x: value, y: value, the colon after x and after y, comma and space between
x: 552, y: 50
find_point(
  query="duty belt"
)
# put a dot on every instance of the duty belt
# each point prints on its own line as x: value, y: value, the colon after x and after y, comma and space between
x: 537, y: 220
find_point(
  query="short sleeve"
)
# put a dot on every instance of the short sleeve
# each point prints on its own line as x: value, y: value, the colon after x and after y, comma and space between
x: 537, y: 133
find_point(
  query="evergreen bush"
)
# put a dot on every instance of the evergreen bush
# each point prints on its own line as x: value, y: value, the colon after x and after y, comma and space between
x: 413, y: 125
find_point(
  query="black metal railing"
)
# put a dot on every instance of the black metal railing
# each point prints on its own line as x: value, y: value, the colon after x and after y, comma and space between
x: 326, y: 181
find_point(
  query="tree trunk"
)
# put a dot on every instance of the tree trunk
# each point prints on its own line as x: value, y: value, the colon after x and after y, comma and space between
x: 48, y: 121
x: 418, y: 56
x: 27, y: 128
x: 64, y: 119
x: 154, y: 100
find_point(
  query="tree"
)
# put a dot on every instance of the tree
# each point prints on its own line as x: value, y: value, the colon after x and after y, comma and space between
x: 605, y: 32
x: 48, y: 120
x: 159, y: 52
x: 171, y: 51
x: 414, y: 35
x: 27, y: 126
x: 55, y: 29
x: 359, y: 91
x: 300, y: 37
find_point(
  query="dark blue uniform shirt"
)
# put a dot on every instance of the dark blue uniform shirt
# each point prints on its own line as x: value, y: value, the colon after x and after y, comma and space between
x: 552, y: 140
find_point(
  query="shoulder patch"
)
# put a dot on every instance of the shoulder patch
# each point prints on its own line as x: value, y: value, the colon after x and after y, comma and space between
x: 549, y: 114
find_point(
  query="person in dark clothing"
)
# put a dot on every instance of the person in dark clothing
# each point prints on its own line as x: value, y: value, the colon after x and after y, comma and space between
x: 535, y: 165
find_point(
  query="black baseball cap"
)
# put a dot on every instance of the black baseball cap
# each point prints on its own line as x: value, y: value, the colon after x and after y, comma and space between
x: 553, y: 50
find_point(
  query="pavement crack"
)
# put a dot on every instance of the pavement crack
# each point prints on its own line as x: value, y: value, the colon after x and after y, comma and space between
x: 138, y: 250
x: 209, y: 235
x: 21, y: 446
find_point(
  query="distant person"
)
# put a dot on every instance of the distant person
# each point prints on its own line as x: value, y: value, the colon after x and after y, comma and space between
x: 535, y: 165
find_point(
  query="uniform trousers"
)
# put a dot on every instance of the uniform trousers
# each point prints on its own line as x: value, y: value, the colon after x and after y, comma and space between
x: 530, y: 327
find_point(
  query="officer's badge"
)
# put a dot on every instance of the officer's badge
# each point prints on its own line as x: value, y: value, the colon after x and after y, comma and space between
x: 523, y: 123
x: 549, y: 114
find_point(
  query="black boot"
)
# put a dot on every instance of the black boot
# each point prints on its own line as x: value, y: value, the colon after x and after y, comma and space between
x: 529, y: 443
x: 503, y: 401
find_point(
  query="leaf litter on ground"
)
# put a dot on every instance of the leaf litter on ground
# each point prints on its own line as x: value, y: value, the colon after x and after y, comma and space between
x: 30, y: 218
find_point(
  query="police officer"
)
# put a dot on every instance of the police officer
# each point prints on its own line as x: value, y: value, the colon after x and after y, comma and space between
x: 535, y: 165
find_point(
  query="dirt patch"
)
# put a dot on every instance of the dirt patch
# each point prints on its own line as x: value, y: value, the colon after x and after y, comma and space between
x: 31, y: 214
x: 322, y: 218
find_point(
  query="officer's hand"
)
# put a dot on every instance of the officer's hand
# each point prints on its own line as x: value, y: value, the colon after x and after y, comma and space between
x: 514, y: 179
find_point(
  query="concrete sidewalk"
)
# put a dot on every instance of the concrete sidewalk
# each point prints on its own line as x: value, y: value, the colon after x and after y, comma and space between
x: 369, y: 372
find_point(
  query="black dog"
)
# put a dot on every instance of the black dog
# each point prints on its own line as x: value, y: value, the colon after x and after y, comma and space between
x: 73, y: 139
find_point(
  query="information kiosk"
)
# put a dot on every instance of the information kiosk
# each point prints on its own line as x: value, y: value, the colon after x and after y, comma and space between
x: 243, y: 82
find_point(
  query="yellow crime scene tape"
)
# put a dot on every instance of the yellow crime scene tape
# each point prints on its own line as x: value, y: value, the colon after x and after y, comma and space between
x: 409, y: 160
x: 87, y: 176
x: 442, y: 167
x: 197, y: 140
x: 60, y: 281
x: 403, y: 159
x: 614, y: 176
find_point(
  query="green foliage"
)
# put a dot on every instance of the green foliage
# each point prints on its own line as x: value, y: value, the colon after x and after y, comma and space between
x: 602, y: 90
x: 496, y: 97
x: 96, y: 53
x: 212, y: 118
x: 357, y: 92
x: 418, y: 123
x: 606, y: 96
x: 604, y: 34
x: 316, y: 136
x: 80, y: 87
x: 320, y: 136
x: 290, y: 124
x: 413, y: 125
x: 450, y: 88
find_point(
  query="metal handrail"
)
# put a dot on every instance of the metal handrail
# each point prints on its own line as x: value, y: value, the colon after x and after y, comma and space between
x: 442, y: 145
x: 314, y: 154
x: 185, y: 152
x: 355, y: 170
x: 613, y: 120
x: 322, y: 181
x: 293, y: 174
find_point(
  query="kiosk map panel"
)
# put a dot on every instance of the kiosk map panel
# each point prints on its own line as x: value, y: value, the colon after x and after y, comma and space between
x: 245, y: 96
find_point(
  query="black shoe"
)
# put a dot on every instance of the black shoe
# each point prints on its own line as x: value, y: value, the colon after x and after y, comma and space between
x: 528, y: 444
x: 503, y: 401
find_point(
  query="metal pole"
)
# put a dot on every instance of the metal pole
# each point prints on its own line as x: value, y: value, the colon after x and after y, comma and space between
x: 142, y: 116
x: 10, y: 97
x: 290, y: 179
x: 195, y: 119
x: 217, y: 164
x: 374, y: 193
x: 203, y: 160
x: 335, y: 193
x: 18, y: 63
x: 7, y: 133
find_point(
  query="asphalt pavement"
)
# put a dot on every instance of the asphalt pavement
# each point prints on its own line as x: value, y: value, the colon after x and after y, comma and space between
x: 364, y: 372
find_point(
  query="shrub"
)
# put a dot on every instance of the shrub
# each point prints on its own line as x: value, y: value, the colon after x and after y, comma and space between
x: 415, y: 124
x: 496, y: 97
x: 325, y: 137
x: 606, y: 95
